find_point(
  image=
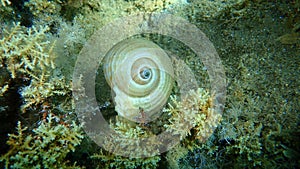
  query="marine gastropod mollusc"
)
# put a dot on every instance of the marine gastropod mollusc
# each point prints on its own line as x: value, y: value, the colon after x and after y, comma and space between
x: 141, y: 77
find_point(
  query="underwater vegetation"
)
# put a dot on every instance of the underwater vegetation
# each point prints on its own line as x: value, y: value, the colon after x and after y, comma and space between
x: 257, y: 41
x: 46, y: 148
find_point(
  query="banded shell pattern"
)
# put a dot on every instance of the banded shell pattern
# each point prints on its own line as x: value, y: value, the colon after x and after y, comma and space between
x: 141, y: 76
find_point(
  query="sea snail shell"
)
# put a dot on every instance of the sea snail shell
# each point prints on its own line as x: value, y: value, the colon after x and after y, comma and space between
x: 141, y: 76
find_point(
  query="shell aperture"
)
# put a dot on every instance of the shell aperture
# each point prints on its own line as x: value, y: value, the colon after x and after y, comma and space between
x: 141, y: 76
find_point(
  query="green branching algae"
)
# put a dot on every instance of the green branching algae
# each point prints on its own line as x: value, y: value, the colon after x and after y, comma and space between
x: 195, y: 110
x: 127, y: 131
x: 26, y: 53
x: 46, y: 147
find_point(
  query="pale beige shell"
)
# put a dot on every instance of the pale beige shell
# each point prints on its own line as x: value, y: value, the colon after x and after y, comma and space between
x: 141, y: 76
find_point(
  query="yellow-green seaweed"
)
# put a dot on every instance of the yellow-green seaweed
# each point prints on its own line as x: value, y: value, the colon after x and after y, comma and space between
x: 46, y: 147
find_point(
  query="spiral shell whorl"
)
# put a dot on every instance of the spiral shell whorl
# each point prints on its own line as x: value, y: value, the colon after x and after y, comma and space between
x: 141, y: 75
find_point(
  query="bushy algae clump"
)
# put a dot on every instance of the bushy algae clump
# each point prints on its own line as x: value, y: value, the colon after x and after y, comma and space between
x: 27, y: 54
x: 194, y: 113
x: 128, y: 131
x: 46, y: 147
